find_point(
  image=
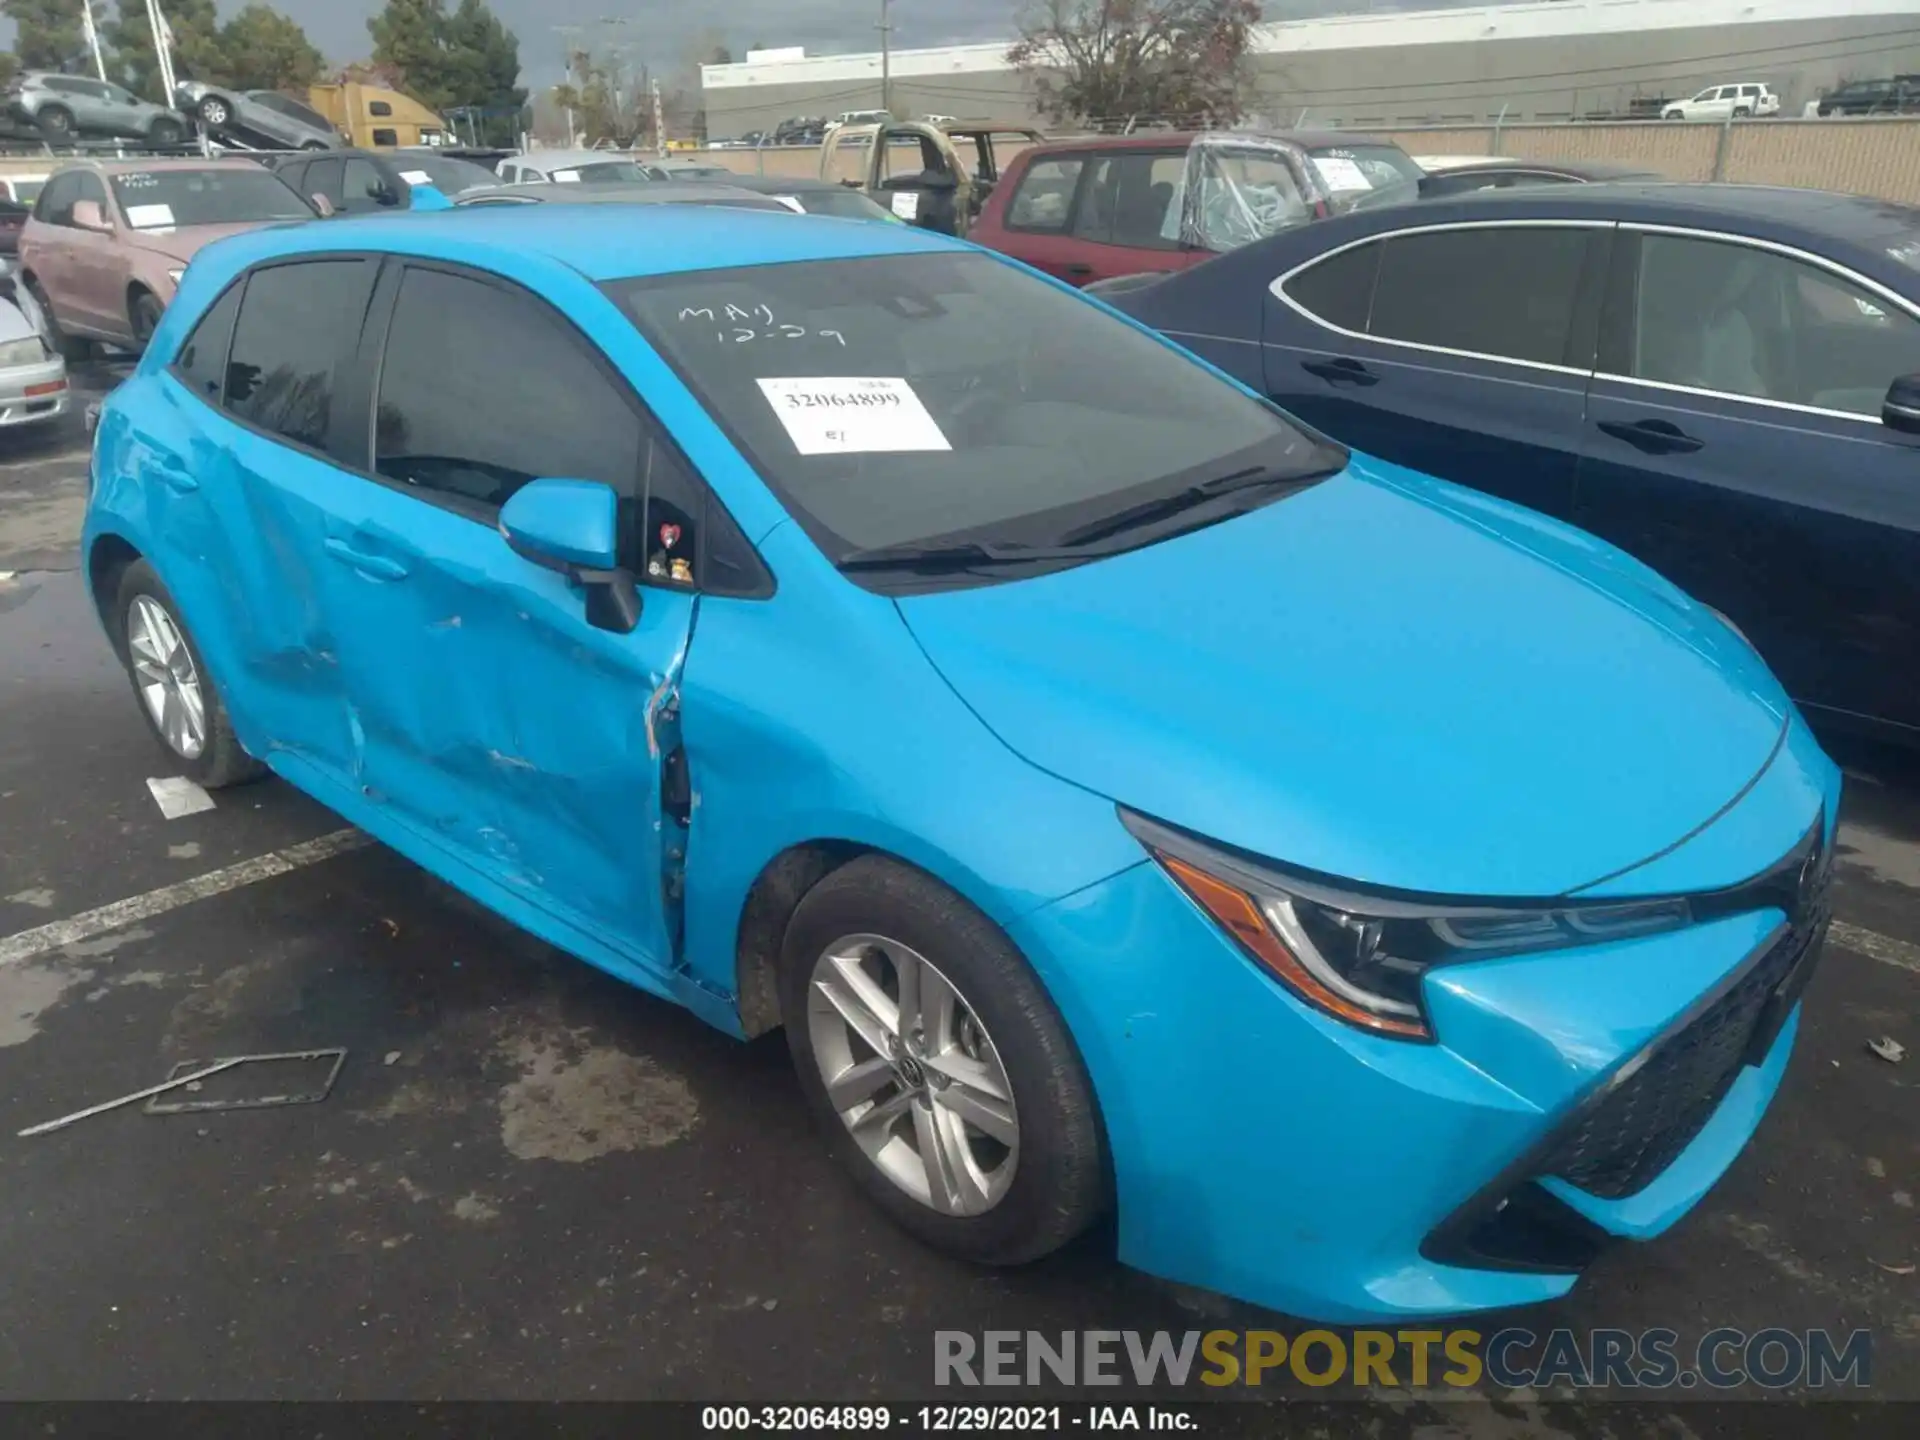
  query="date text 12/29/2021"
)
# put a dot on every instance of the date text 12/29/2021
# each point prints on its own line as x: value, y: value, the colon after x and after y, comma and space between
x: 945, y: 1419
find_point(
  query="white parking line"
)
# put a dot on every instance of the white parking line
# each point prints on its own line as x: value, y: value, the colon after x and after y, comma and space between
x: 30, y: 943
x: 1884, y: 948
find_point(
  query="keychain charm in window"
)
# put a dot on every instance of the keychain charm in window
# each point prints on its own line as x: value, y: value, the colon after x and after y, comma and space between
x: 663, y: 563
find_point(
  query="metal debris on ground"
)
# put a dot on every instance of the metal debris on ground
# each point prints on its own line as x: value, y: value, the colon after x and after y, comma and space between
x: 1888, y: 1049
x: 178, y: 796
x: 1896, y: 1269
x: 190, y: 1073
x: 393, y: 1057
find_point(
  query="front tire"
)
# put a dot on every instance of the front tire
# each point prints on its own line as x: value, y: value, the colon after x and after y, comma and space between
x: 937, y: 1068
x: 213, y: 112
x: 143, y: 313
x: 177, y: 696
x: 71, y: 348
x: 56, y: 123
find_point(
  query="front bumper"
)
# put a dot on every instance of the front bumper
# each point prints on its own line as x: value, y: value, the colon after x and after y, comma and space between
x: 1262, y: 1149
x: 30, y: 394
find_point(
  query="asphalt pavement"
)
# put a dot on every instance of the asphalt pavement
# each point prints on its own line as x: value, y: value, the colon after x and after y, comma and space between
x: 532, y: 1182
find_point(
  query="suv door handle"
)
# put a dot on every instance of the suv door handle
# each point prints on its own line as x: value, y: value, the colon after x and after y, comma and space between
x: 1076, y: 269
x: 1652, y: 437
x: 1341, y: 371
x: 380, y: 567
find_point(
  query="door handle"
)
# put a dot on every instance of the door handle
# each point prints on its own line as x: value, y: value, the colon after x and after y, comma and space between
x: 1341, y: 371
x: 1652, y: 437
x: 1076, y: 269
x: 380, y: 567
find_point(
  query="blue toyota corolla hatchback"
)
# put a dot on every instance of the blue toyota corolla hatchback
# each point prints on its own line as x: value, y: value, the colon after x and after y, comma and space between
x: 1378, y: 895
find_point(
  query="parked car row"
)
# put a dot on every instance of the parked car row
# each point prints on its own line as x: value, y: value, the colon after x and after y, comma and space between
x: 1479, y: 865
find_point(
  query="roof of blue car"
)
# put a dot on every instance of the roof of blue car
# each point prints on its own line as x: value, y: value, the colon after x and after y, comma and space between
x: 605, y: 242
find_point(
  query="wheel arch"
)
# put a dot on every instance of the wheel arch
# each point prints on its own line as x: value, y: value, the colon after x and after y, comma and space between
x: 108, y: 559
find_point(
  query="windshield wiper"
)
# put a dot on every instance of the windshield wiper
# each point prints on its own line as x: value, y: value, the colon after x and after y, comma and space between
x: 1254, y: 477
x: 966, y: 555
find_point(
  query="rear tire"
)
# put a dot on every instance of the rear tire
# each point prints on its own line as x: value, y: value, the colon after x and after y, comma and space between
x: 166, y: 132
x: 187, y: 715
x: 985, y: 1043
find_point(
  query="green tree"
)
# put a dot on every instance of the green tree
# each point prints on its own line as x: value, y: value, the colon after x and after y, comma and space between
x: 483, y: 68
x: 411, y: 36
x: 261, y: 49
x: 47, y: 34
x: 131, y: 58
x: 1104, y: 60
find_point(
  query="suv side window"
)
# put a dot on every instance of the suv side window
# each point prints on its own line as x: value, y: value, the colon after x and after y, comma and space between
x: 55, y: 206
x: 362, y: 185
x: 1127, y: 199
x: 296, y: 323
x: 202, y: 361
x: 482, y: 389
x: 91, y: 187
x: 1738, y: 320
x: 1503, y: 293
x: 1044, y: 201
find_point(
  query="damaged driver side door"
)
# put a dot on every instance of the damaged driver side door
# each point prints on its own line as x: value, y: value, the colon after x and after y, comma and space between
x: 496, y: 721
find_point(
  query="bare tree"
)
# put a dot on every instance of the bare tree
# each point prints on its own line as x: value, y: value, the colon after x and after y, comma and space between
x: 1104, y: 59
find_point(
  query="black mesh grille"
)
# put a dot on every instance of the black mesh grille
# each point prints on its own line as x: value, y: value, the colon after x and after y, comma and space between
x: 1617, y: 1148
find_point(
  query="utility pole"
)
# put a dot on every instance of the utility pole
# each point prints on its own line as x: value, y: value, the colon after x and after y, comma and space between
x: 93, y: 40
x: 659, y: 120
x: 162, y: 47
x: 567, y: 32
x: 885, y: 28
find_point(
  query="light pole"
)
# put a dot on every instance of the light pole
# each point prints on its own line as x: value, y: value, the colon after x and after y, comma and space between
x: 93, y: 40
x: 885, y: 28
x: 567, y: 32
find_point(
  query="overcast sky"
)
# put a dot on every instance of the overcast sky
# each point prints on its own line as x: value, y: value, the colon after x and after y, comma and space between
x: 669, y: 33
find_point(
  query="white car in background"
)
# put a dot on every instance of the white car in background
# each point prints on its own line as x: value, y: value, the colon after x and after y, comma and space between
x: 33, y: 377
x: 1718, y: 102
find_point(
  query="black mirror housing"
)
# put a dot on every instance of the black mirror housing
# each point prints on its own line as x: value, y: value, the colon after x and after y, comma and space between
x: 1901, y: 409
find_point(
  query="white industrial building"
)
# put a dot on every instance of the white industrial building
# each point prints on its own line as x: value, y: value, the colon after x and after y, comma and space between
x: 1545, y: 60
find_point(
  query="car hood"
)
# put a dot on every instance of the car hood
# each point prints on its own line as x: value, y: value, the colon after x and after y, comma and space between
x: 1383, y: 678
x: 183, y: 242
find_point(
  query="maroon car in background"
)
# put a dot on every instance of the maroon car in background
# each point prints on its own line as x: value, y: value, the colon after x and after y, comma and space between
x: 1106, y: 206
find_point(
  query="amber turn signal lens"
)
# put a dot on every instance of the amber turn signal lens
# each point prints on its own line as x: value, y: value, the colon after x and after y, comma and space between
x: 1240, y: 917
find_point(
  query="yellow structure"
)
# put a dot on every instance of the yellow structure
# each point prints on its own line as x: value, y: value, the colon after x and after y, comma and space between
x: 377, y: 119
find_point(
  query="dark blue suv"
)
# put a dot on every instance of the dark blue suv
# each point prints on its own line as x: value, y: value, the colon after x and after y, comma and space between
x: 1719, y: 379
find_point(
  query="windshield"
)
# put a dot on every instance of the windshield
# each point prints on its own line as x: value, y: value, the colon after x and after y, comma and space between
x: 606, y: 172
x: 447, y: 175
x: 908, y: 398
x: 847, y: 204
x: 1348, y: 170
x: 161, y: 199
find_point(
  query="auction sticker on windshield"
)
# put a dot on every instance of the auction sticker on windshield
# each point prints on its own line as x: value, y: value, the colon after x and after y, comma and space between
x: 148, y: 217
x: 1341, y: 173
x: 837, y: 415
x: 416, y: 177
x: 906, y: 204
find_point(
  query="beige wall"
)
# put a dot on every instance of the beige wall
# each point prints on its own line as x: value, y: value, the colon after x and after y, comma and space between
x: 1878, y: 157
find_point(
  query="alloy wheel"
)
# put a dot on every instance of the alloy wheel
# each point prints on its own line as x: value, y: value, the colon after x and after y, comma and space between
x: 213, y: 112
x: 913, y: 1074
x: 169, y: 682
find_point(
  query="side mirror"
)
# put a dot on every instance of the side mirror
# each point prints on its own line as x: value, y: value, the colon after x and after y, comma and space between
x: 87, y: 215
x: 322, y: 204
x: 572, y: 527
x: 1901, y: 409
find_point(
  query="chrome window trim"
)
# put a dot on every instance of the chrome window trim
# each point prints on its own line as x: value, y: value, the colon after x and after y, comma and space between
x: 1791, y: 252
x: 1278, y: 288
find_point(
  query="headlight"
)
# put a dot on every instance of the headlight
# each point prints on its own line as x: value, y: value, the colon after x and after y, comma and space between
x: 22, y: 352
x: 1361, y: 956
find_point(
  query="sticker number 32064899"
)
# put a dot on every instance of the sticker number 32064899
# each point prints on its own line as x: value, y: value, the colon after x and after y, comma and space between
x: 843, y: 415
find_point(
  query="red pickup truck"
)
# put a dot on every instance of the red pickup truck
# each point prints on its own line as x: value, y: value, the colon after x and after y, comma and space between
x: 1105, y: 206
